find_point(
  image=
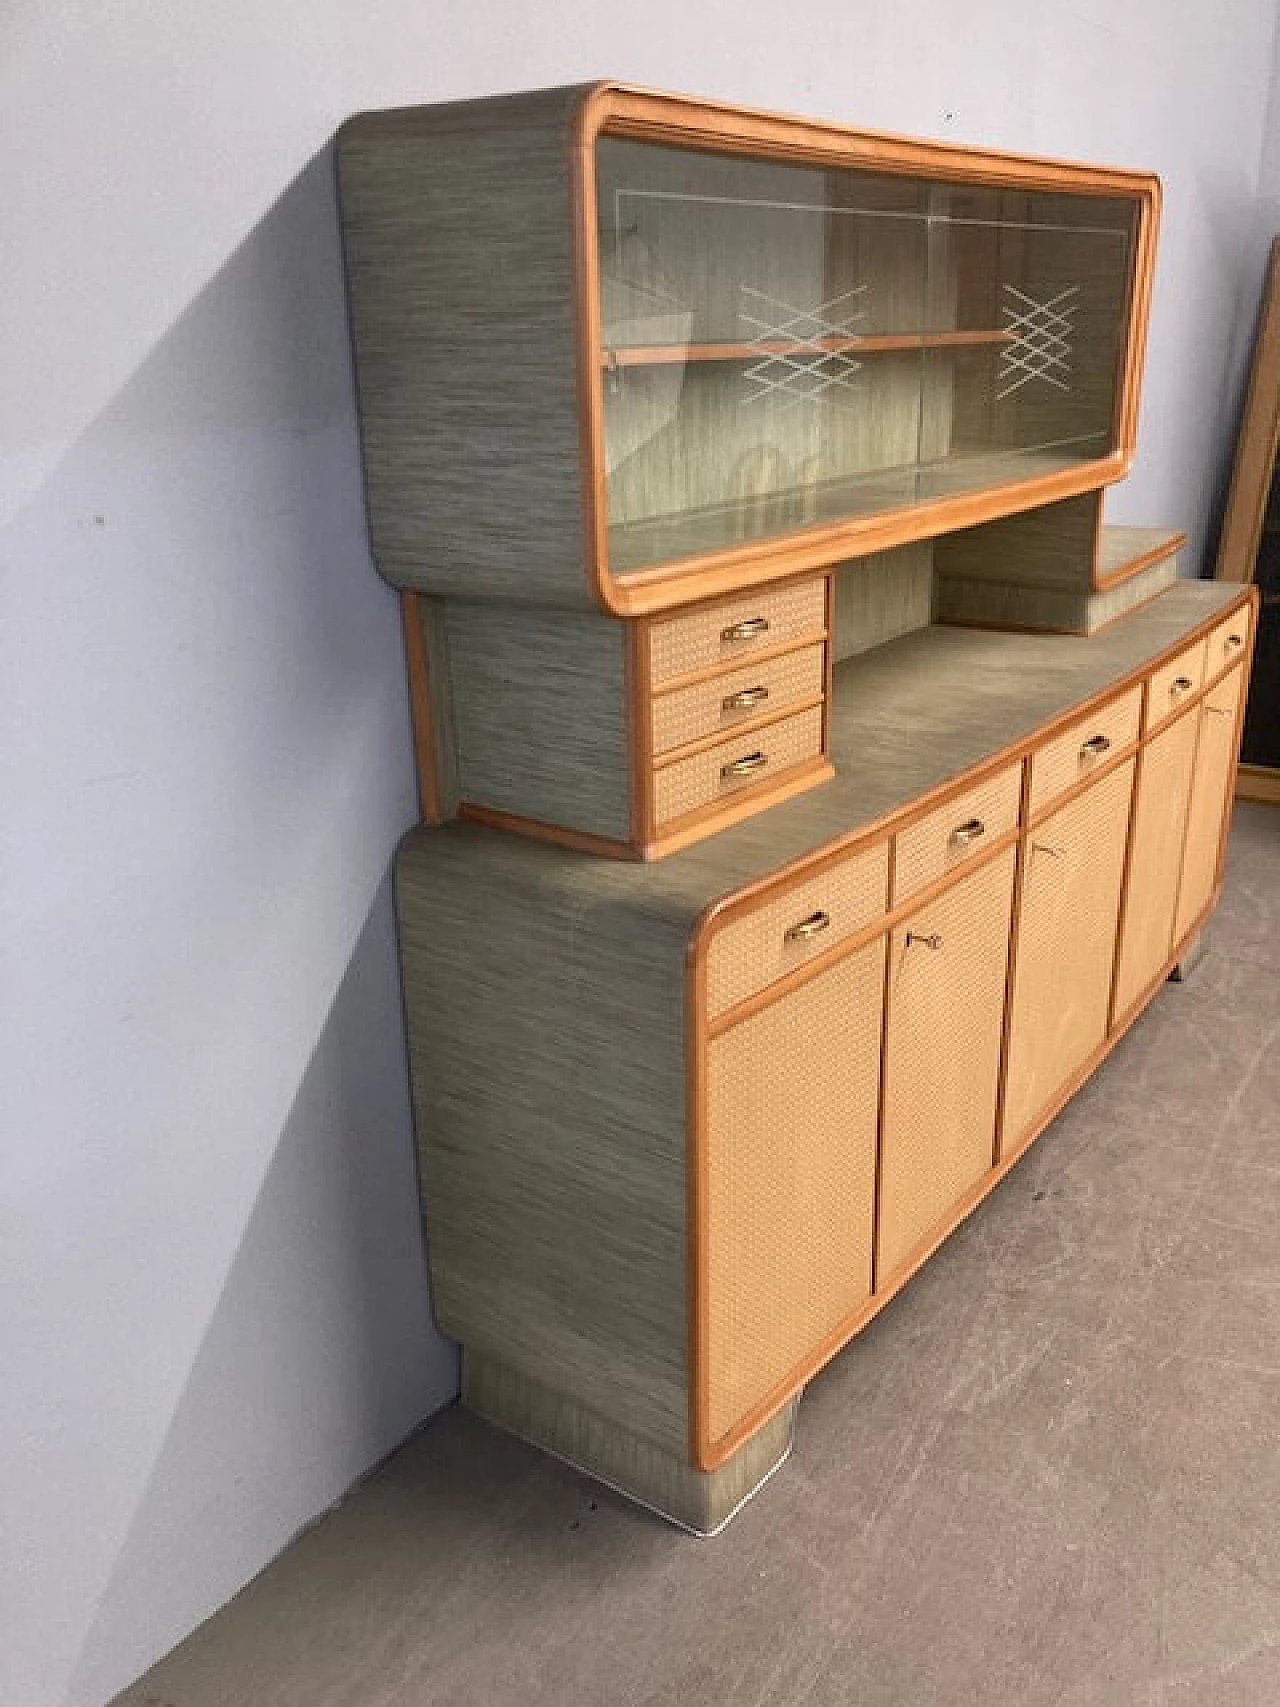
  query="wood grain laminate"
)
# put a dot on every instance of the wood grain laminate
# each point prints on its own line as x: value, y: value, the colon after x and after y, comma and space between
x: 540, y: 714
x: 459, y: 259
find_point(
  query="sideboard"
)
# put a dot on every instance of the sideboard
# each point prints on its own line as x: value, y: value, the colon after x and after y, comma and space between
x: 814, y: 786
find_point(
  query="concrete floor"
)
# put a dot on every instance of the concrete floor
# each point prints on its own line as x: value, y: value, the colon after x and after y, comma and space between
x: 1048, y: 1473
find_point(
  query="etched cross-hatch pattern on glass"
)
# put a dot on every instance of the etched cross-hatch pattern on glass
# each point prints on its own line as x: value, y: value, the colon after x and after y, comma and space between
x: 797, y: 362
x: 1040, y: 345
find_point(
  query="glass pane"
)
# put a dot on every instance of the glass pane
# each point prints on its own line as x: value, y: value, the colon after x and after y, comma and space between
x: 785, y: 345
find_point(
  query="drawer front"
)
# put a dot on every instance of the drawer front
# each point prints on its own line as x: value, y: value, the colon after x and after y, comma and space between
x: 1172, y: 685
x: 732, y: 629
x: 958, y: 830
x: 1092, y: 741
x: 779, y: 935
x: 723, y: 771
x: 1227, y: 642
x: 714, y: 707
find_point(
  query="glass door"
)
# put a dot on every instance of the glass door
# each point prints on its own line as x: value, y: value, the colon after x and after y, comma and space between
x: 787, y: 345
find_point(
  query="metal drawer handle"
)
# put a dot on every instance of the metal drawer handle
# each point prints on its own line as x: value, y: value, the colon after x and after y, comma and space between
x: 1180, y: 684
x: 1095, y: 746
x: 1233, y: 640
x: 1048, y: 848
x: 932, y: 941
x: 1219, y: 710
x: 745, y: 765
x: 968, y: 832
x: 803, y: 929
x: 744, y: 699
x: 747, y: 629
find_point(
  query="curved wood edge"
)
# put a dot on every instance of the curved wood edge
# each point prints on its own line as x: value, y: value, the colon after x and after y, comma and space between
x: 653, y: 116
x: 708, y: 1455
x: 1257, y: 444
x: 494, y: 819
x: 1135, y: 565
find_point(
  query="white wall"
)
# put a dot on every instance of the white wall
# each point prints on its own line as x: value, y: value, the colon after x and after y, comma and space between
x: 212, y: 1303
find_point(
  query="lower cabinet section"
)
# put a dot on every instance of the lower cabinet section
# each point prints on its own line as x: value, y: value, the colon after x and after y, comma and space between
x: 1159, y: 818
x: 1064, y: 950
x: 790, y: 1164
x: 946, y: 988
x: 1210, y: 799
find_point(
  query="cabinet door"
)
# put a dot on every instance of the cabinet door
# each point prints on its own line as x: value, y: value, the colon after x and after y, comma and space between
x: 1155, y: 859
x: 1210, y: 800
x: 1072, y: 867
x: 790, y: 1163
x: 946, y: 988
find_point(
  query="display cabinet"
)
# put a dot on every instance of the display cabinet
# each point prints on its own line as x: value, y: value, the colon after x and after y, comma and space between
x: 743, y: 478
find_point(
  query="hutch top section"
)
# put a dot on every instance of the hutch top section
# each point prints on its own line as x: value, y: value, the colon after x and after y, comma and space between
x: 641, y: 350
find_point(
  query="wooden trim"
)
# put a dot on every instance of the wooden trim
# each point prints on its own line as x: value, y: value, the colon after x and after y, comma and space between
x: 1133, y: 565
x: 420, y: 716
x: 1256, y: 447
x: 724, y: 666
x: 1011, y: 964
x: 708, y: 1455
x: 719, y: 814
x: 639, y: 732
x: 690, y: 123
x: 1258, y: 782
x: 870, y: 344
x: 733, y: 569
x: 494, y: 819
x: 748, y: 726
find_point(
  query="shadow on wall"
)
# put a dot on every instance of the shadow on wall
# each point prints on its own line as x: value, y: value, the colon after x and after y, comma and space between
x: 221, y: 1289
x: 313, y: 1286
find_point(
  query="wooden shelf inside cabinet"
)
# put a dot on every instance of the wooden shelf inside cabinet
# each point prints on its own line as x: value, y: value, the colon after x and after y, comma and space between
x: 618, y: 356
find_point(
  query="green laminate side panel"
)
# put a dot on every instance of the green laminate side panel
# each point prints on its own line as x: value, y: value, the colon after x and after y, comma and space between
x: 546, y: 1042
x: 1051, y: 546
x: 1052, y: 609
x: 879, y: 597
x: 457, y: 234
x: 539, y: 713
x: 666, y: 1482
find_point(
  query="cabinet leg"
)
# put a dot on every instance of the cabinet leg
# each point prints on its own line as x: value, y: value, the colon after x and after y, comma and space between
x: 1191, y: 956
x: 701, y: 1501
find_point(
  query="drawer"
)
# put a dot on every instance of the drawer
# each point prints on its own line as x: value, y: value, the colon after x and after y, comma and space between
x: 1089, y: 742
x: 957, y: 831
x: 778, y: 935
x: 713, y: 707
x: 1227, y: 642
x: 1173, y: 684
x: 732, y: 766
x: 732, y: 629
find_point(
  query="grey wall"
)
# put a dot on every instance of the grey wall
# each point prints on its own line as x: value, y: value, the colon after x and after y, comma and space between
x: 212, y: 1301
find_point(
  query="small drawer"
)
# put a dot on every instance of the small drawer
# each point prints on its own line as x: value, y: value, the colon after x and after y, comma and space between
x: 714, y: 707
x: 1227, y: 642
x: 732, y: 629
x: 956, y: 831
x: 1172, y: 685
x: 777, y: 936
x: 1090, y: 742
x: 720, y: 772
